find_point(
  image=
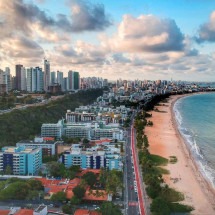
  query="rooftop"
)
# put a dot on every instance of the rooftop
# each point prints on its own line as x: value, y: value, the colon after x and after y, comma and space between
x: 86, y: 212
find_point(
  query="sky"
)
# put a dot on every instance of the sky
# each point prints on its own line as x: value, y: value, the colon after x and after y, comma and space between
x: 139, y: 39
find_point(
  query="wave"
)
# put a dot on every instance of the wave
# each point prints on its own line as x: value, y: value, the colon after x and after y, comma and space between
x: 190, y: 140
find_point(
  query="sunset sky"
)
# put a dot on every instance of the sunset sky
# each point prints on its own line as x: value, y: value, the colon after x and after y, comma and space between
x: 139, y: 39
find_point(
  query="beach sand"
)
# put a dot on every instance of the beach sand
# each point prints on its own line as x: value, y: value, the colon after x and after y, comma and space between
x: 165, y: 140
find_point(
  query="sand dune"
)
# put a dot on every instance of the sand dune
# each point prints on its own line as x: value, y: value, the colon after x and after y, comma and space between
x: 184, y: 176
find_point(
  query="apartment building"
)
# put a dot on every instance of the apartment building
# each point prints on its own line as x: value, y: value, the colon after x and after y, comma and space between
x: 92, y: 158
x: 21, y: 160
x: 48, y: 147
x: 52, y: 129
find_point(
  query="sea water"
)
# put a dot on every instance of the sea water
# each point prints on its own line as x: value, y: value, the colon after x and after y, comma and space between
x: 195, y: 116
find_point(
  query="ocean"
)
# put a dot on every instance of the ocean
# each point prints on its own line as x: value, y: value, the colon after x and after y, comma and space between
x: 195, y: 116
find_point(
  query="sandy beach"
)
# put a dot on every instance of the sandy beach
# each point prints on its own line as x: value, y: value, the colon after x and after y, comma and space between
x: 165, y: 140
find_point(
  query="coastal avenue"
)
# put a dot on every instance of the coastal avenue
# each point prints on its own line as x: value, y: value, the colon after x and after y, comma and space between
x: 137, y: 174
x: 134, y: 200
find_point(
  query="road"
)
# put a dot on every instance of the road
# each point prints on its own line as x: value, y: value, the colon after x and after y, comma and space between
x: 137, y: 174
x: 131, y: 197
x: 134, y: 198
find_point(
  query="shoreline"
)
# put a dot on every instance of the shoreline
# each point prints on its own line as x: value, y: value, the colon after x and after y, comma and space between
x: 185, y: 176
x: 203, y: 181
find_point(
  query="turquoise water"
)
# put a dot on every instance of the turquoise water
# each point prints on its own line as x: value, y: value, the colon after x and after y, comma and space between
x: 195, y: 116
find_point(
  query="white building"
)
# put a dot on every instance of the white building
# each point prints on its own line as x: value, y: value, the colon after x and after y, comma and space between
x: 52, y: 129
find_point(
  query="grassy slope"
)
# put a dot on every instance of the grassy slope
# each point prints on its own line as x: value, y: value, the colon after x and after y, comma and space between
x: 22, y: 124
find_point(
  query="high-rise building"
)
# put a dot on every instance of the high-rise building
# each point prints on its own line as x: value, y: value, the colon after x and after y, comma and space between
x: 34, y: 79
x: 76, y: 80
x: 60, y: 79
x: 46, y: 74
x: 23, y: 79
x: 18, y: 69
x: 65, y: 84
x: 53, y: 77
x: 73, y: 80
x: 8, y: 79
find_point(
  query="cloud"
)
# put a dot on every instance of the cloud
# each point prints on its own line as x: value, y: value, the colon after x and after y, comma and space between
x: 79, y: 53
x: 19, y: 16
x: 146, y: 33
x: 22, y: 50
x: 206, y: 31
x: 88, y: 17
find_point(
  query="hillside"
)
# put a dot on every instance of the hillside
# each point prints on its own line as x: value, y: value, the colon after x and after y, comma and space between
x: 24, y: 124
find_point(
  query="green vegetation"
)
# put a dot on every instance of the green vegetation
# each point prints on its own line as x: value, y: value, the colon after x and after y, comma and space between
x: 24, y: 124
x: 173, y: 159
x: 162, y: 171
x: 57, y: 169
x: 79, y: 191
x: 90, y: 178
x: 158, y: 160
x: 59, y: 197
x: 149, y: 123
x: 48, y: 158
x: 108, y: 208
x: 111, y: 180
x: 18, y: 189
x: 163, y: 197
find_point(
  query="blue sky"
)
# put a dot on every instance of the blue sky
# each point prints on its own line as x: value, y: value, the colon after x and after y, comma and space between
x: 151, y: 39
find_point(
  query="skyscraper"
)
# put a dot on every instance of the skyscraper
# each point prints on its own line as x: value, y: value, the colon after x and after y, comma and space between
x: 23, y: 79
x: 73, y: 80
x: 46, y: 74
x: 53, y: 77
x: 18, y: 69
x: 60, y: 79
x: 34, y: 79
x: 8, y: 78
x: 76, y: 80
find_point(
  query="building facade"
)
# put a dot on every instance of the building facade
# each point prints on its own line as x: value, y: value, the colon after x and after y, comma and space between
x: 21, y: 160
x: 46, y: 74
x: 93, y: 159
x: 52, y: 129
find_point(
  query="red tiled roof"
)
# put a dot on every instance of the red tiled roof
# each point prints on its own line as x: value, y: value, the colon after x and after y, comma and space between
x: 24, y: 212
x: 48, y: 138
x: 84, y: 171
x: 86, y: 212
x: 4, y: 212
x: 55, y: 186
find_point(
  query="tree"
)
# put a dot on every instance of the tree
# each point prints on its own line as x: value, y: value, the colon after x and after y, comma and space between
x: 35, y: 184
x: 75, y: 200
x: 79, y: 192
x: 56, y: 169
x: 90, y: 178
x: 160, y: 207
x: 66, y: 209
x: 146, y: 142
x: 108, y: 208
x: 114, y: 181
x: 18, y: 190
x: 8, y: 170
x: 59, y: 197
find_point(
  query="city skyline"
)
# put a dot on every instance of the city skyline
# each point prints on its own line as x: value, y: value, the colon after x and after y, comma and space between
x: 123, y: 39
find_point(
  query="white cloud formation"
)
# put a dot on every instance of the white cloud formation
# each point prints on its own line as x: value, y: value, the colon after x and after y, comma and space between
x: 207, y: 30
x: 146, y: 33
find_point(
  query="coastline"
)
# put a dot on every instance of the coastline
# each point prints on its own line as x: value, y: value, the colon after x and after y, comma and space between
x: 185, y: 176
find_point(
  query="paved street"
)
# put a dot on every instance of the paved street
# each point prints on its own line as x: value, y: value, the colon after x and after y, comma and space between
x: 134, y: 199
x: 132, y: 204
